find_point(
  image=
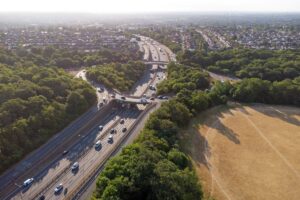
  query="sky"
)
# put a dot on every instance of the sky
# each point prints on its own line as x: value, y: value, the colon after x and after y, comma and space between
x: 140, y: 6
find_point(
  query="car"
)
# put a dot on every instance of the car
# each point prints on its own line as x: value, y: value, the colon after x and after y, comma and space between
x: 104, y: 99
x: 110, y: 139
x: 113, y: 131
x: 75, y: 166
x: 100, y: 128
x: 99, y: 89
x: 144, y: 95
x: 28, y: 182
x: 160, y: 97
x: 42, y: 197
x: 123, y: 98
x: 152, y: 98
x: 65, y: 191
x: 98, y: 144
x: 122, y: 121
x: 143, y: 100
x: 65, y: 152
x: 124, y: 129
x: 165, y: 97
x: 151, y: 87
x: 58, y: 188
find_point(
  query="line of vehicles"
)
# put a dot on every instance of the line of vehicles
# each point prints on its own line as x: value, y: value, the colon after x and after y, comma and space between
x: 75, y: 166
x: 98, y: 144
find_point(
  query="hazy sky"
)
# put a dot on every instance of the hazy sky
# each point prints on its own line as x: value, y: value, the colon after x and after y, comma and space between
x: 128, y: 6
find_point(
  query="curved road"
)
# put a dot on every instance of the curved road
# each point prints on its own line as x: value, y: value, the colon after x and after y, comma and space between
x: 49, y: 167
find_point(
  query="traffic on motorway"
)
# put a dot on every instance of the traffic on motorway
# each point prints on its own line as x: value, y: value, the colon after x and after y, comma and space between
x: 94, y: 137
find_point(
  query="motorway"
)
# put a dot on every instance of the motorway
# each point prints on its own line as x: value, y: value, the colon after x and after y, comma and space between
x: 47, y: 164
x: 86, y: 155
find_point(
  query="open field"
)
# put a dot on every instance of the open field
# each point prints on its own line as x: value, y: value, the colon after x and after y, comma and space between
x: 247, y: 152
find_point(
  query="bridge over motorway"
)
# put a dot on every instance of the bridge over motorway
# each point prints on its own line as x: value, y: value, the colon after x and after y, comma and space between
x: 131, y: 100
x: 156, y: 63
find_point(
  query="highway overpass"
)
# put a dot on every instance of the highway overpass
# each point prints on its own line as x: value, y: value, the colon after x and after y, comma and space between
x: 131, y: 100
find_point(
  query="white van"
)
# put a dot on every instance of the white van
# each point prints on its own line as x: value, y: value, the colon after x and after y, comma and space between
x: 28, y: 182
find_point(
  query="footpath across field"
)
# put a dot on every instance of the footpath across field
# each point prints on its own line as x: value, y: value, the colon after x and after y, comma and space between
x: 247, y: 152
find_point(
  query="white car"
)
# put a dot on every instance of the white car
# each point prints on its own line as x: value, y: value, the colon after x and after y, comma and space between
x: 28, y: 182
x: 75, y: 166
x: 58, y: 188
x: 110, y: 139
x: 98, y: 144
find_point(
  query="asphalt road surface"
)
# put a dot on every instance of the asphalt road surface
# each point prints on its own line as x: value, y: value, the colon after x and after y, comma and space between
x: 50, y: 168
x: 85, y: 154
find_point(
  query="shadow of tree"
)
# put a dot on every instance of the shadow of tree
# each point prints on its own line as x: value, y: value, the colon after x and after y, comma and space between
x: 201, y: 149
x: 221, y: 127
x: 283, y: 113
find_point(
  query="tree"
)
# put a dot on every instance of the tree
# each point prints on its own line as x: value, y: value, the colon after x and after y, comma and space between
x: 76, y: 103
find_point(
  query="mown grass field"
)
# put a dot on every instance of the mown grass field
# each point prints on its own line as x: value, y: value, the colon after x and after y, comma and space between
x: 246, y: 152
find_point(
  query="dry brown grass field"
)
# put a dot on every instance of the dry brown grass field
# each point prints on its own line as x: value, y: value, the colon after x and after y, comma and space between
x: 246, y: 152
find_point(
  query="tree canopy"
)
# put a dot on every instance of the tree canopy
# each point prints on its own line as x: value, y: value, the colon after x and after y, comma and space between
x: 272, y: 65
x: 35, y: 103
x: 118, y: 76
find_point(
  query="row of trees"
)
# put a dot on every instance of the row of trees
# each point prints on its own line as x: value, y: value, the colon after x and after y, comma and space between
x: 262, y: 91
x: 35, y: 103
x: 51, y: 56
x: 154, y: 167
x: 118, y: 76
x: 247, y: 63
x: 183, y: 77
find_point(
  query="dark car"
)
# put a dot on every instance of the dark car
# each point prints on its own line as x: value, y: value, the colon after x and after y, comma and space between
x: 124, y: 129
x: 122, y: 121
x: 112, y: 131
x: 65, y: 152
x: 160, y: 97
x: 152, y: 98
x: 151, y: 87
x: 123, y: 98
x: 42, y: 197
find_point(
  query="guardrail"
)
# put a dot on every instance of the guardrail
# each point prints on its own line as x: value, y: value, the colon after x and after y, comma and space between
x: 75, y: 193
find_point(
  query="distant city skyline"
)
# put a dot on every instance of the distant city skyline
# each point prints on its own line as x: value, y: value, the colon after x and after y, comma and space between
x: 140, y: 6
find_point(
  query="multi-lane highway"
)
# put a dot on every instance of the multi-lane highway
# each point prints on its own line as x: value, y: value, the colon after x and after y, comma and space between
x: 50, y: 168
